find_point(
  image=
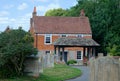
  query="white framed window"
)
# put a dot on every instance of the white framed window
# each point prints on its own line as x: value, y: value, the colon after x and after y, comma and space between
x: 47, y: 52
x: 64, y: 35
x: 79, y: 35
x: 79, y: 55
x: 48, y: 39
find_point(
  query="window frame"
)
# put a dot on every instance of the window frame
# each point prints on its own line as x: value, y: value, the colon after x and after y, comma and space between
x: 79, y: 35
x: 47, y: 51
x: 64, y: 34
x: 81, y: 56
x: 48, y: 35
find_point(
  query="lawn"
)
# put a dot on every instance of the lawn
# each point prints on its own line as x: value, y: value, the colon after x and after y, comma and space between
x: 58, y: 73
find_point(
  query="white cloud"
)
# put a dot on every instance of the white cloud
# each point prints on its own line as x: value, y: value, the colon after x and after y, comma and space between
x: 75, y: 3
x: 4, y: 13
x: 12, y: 20
x: 28, y: 15
x: 8, y: 6
x: 22, y: 6
x: 22, y: 21
x: 42, y: 0
x: 43, y: 8
x: 4, y: 20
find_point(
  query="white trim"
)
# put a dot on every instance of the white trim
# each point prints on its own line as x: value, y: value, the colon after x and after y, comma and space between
x: 45, y: 35
x: 63, y: 34
x: 81, y: 55
x: 68, y: 34
x: 79, y: 34
x: 87, y: 35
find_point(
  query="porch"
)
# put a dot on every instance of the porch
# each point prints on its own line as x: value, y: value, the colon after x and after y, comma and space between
x: 88, y: 45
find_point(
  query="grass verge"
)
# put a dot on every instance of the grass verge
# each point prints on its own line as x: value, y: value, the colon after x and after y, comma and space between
x: 59, y: 73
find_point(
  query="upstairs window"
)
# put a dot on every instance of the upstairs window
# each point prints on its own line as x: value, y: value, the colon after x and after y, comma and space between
x: 48, y: 39
x: 79, y: 35
x: 63, y: 35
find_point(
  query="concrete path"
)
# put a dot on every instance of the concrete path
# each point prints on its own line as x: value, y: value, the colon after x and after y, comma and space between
x: 85, y: 74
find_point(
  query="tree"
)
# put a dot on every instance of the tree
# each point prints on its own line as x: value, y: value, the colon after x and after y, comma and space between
x: 15, y: 45
x: 55, y: 12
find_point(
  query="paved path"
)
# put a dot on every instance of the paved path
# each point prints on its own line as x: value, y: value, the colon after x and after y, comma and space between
x: 84, y: 76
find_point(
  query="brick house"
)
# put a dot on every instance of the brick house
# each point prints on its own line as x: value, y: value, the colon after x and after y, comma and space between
x: 67, y: 37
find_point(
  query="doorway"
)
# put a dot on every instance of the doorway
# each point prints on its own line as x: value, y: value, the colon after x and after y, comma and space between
x: 65, y: 56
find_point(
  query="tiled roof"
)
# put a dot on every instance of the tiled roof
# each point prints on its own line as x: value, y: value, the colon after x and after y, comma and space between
x: 64, y: 41
x: 61, y: 25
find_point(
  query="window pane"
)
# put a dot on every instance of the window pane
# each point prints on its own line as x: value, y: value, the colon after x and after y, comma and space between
x: 78, y: 54
x: 63, y: 35
x: 79, y: 35
x: 47, y: 52
x: 47, y: 39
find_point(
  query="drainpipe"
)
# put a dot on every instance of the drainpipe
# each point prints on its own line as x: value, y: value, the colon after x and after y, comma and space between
x: 36, y: 40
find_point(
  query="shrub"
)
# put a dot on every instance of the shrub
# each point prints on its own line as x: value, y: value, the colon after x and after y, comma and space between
x: 114, y: 50
x: 71, y: 62
x: 15, y: 45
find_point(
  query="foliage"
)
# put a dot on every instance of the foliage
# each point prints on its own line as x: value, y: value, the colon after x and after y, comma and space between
x: 15, y: 45
x: 58, y: 73
x: 114, y: 50
x: 71, y: 62
x: 55, y: 12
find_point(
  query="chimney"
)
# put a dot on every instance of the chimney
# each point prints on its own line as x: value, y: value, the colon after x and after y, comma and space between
x: 82, y: 13
x: 34, y: 12
x: 7, y: 29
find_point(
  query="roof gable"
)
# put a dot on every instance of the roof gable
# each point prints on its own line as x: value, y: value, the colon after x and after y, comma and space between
x: 60, y: 25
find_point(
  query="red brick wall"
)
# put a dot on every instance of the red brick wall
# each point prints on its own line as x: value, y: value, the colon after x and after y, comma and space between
x: 42, y: 46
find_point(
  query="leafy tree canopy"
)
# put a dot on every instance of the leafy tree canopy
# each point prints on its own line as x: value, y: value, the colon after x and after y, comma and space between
x: 55, y: 12
x: 15, y: 45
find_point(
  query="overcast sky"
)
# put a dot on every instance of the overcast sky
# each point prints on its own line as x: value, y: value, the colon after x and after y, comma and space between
x: 17, y: 13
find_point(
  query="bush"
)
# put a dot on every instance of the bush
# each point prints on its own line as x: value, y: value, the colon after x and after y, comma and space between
x: 114, y: 50
x: 15, y: 45
x: 71, y: 62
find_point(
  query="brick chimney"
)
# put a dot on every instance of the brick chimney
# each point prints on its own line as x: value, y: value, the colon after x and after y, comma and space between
x: 82, y: 13
x: 34, y: 12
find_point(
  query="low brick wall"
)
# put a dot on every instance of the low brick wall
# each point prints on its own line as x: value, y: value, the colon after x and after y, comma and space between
x: 104, y: 69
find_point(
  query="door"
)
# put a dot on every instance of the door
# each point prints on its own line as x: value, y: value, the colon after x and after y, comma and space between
x: 65, y: 57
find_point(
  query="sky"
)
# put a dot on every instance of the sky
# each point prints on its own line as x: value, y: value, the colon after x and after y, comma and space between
x: 16, y: 13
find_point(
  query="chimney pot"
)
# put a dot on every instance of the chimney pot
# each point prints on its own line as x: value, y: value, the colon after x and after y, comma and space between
x: 34, y: 12
x: 82, y: 13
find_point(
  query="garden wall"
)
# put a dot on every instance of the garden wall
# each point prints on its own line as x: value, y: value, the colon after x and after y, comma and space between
x: 104, y: 69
